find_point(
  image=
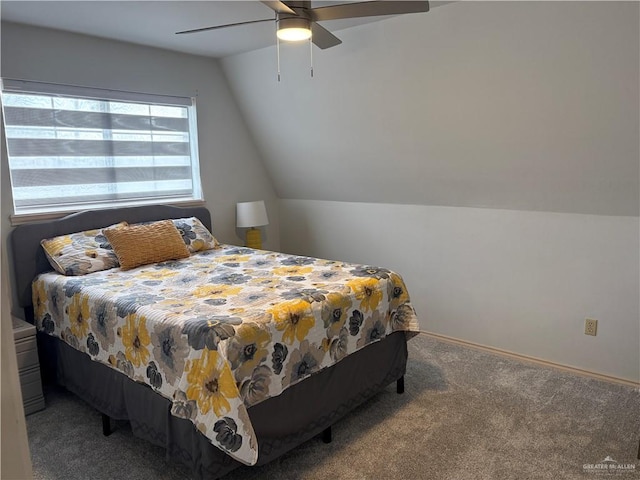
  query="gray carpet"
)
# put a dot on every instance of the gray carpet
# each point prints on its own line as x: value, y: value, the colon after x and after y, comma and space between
x: 466, y: 414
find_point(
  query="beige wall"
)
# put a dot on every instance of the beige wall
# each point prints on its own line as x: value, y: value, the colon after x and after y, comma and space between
x: 519, y: 281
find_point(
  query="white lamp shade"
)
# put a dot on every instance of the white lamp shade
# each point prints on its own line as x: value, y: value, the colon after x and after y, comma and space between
x: 251, y: 214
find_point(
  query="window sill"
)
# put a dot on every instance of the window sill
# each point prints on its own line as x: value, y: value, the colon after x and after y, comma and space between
x: 21, y: 219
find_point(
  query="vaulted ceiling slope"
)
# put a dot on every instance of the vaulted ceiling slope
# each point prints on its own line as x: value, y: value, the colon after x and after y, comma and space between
x: 154, y: 23
x: 515, y: 105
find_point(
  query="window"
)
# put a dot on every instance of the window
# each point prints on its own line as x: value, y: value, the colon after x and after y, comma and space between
x: 74, y: 148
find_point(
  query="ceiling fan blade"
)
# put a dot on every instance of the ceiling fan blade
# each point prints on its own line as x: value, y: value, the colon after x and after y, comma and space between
x: 279, y: 7
x: 367, y: 9
x: 195, y: 30
x: 322, y: 37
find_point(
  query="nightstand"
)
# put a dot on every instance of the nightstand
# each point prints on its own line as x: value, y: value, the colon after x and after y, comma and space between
x: 24, y: 336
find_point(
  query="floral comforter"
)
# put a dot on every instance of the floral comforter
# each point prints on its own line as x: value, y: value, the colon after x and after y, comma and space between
x: 224, y: 329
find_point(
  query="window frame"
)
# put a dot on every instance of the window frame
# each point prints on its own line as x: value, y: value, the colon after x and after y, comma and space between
x: 195, y: 196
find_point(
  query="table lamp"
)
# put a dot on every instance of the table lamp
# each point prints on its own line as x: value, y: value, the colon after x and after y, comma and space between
x: 251, y: 215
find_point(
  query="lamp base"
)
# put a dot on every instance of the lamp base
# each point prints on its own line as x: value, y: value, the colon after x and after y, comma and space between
x: 254, y: 239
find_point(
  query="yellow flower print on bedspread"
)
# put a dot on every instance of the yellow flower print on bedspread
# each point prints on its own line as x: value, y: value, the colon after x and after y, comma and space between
x: 78, y: 311
x: 295, y: 318
x: 334, y: 313
x: 367, y: 291
x: 211, y: 384
x: 39, y: 299
x: 233, y: 259
x: 216, y: 291
x: 292, y: 271
x: 136, y: 339
x: 157, y: 274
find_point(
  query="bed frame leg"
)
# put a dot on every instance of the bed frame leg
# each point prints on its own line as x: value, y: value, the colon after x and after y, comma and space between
x: 326, y: 435
x: 400, y: 385
x: 106, y: 425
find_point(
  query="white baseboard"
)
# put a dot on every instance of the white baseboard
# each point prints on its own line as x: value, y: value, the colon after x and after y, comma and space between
x: 539, y: 361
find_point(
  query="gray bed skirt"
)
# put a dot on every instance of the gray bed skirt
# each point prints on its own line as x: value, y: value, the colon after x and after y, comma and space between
x: 279, y: 422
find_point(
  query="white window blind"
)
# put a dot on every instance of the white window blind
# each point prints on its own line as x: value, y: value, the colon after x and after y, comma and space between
x: 72, y: 148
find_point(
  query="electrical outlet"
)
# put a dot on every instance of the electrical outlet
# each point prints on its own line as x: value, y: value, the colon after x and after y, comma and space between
x: 590, y: 326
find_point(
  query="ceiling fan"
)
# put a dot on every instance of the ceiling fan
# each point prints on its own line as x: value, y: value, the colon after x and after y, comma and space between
x: 297, y: 20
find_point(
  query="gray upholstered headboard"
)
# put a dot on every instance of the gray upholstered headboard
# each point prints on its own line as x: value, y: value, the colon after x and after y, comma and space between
x: 28, y: 257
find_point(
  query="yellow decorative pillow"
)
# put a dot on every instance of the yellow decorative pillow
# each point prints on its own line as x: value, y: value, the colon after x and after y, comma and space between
x: 142, y: 244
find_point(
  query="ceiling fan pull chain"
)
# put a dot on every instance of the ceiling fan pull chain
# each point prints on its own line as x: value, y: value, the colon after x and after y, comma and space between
x: 278, y: 53
x: 311, y: 54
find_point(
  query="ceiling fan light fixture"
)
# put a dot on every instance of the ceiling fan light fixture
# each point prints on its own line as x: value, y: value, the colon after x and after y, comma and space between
x: 294, y: 29
x: 294, y: 34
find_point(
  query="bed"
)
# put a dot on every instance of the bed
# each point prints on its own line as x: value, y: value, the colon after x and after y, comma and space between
x: 263, y: 351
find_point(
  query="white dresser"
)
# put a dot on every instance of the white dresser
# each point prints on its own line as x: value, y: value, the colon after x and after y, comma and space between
x: 24, y: 335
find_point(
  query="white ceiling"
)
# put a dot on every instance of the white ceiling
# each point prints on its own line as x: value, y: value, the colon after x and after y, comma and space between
x: 154, y: 23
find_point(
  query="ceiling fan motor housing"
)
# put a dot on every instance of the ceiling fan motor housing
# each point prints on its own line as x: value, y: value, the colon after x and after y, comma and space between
x: 292, y: 21
x: 295, y: 26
